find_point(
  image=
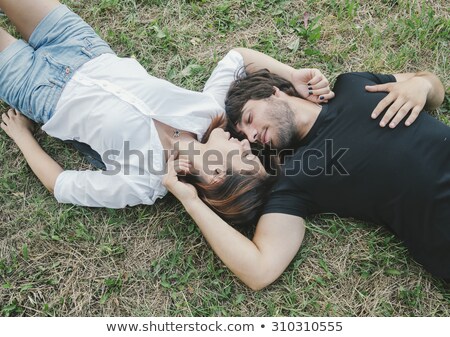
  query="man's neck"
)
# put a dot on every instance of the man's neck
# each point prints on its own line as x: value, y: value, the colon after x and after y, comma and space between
x: 306, y: 114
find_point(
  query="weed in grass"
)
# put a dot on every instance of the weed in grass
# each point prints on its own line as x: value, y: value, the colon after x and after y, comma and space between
x: 111, y: 286
x: 411, y: 297
x: 12, y: 309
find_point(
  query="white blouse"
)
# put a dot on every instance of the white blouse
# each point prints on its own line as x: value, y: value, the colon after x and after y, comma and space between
x: 110, y: 104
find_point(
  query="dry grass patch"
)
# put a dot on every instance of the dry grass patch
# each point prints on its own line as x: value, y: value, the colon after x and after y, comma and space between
x: 61, y: 260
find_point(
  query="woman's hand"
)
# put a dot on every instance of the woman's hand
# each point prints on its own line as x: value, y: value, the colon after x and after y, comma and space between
x: 312, y: 85
x: 20, y: 129
x: 16, y: 125
x: 182, y: 191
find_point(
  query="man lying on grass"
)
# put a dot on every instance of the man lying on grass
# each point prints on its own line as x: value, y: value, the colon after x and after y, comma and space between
x: 346, y: 161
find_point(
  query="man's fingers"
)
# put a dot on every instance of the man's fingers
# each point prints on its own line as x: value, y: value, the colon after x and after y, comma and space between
x: 378, y: 87
x: 383, y: 104
x: 400, y: 115
x: 393, y: 109
x: 3, y: 126
x: 414, y: 113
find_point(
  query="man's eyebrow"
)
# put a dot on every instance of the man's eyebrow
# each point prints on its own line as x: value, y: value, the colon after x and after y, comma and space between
x: 241, y: 119
x: 237, y: 123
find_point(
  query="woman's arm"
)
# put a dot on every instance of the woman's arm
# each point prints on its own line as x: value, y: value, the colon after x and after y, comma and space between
x: 256, y: 262
x: 310, y: 83
x: 19, y: 128
x: 410, y: 94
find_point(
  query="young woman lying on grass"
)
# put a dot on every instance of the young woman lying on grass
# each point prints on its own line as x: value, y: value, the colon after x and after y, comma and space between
x: 68, y: 79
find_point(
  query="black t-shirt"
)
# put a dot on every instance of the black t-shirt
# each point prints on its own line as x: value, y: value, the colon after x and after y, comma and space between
x: 350, y: 166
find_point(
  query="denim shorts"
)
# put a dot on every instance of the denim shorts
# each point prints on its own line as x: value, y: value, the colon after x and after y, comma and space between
x: 33, y: 74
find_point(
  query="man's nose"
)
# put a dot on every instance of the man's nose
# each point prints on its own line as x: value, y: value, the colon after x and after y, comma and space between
x: 251, y: 133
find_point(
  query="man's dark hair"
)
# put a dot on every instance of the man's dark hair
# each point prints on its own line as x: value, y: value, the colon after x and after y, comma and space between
x: 257, y: 85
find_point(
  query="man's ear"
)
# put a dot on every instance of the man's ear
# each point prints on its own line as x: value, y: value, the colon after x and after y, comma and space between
x: 279, y: 93
x: 276, y: 91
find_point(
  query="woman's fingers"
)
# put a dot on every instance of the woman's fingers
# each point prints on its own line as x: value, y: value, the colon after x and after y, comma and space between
x: 322, y: 84
x: 12, y: 113
x: 318, y: 92
x: 179, y: 166
x: 182, y: 166
x: 171, y: 165
x: 321, y: 98
x: 5, y: 118
x: 317, y: 77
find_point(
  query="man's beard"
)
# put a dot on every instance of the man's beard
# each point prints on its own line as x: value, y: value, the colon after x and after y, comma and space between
x: 284, y: 123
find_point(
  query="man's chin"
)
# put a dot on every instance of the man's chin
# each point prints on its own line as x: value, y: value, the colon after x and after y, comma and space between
x: 291, y: 145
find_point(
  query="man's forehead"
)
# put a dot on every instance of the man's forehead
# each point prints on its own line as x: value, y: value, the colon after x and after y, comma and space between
x: 255, y: 104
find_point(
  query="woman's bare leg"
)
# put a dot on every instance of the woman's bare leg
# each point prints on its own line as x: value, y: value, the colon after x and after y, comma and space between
x: 26, y: 14
x: 6, y: 39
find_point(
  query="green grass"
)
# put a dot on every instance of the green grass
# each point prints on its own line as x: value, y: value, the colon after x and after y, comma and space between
x: 63, y: 260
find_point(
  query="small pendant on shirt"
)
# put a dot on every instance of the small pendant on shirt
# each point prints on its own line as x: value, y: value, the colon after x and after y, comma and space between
x: 176, y: 133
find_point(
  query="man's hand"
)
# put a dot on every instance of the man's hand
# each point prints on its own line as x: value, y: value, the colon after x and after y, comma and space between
x: 15, y: 124
x: 182, y: 191
x: 404, y: 97
x: 312, y: 85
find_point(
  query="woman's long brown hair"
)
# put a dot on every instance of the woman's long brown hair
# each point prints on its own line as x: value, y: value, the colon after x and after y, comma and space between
x: 237, y: 198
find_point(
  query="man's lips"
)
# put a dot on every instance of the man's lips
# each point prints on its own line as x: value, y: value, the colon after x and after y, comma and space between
x: 264, y: 139
x: 261, y: 137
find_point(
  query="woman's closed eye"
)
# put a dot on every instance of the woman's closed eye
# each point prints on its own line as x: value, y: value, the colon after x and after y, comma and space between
x: 248, y: 154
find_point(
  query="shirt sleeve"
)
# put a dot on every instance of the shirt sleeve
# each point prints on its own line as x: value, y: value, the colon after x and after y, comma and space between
x: 287, y: 203
x: 97, y: 189
x: 223, y: 75
x: 377, y: 78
